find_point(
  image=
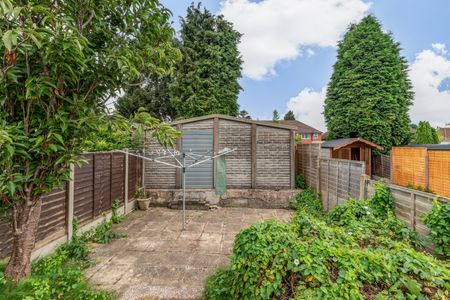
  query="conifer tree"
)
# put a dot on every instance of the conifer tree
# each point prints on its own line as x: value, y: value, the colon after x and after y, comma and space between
x: 275, y: 115
x: 289, y: 115
x: 425, y: 134
x: 369, y: 93
x: 206, y: 80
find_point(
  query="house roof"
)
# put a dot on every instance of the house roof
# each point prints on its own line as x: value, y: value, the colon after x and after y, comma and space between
x: 225, y: 117
x: 431, y: 146
x: 341, y: 143
x: 300, y: 127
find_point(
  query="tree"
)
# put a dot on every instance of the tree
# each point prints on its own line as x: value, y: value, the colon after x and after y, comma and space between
x: 275, y: 116
x: 243, y: 114
x: 206, y: 79
x: 289, y: 115
x: 425, y: 134
x: 153, y: 95
x: 369, y: 93
x: 61, y: 60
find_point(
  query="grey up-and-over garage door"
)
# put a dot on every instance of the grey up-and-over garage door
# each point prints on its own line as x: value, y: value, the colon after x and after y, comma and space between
x: 199, y: 141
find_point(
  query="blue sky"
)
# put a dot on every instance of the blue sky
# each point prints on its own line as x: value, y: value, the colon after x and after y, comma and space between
x: 289, y: 50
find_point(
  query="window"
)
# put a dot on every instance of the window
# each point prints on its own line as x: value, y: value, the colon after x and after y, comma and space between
x: 316, y: 135
x: 306, y: 135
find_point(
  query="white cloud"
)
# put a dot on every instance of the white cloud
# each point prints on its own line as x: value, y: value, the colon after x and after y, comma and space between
x: 429, y: 69
x: 439, y: 48
x: 308, y: 107
x: 276, y: 30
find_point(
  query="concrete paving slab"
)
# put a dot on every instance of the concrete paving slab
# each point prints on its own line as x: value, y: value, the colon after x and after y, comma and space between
x: 157, y: 260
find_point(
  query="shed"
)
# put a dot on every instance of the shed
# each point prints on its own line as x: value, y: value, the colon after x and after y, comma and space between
x: 422, y: 167
x: 352, y: 149
x: 264, y: 158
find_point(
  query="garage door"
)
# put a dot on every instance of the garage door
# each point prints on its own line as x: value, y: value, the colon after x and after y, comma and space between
x: 199, y: 141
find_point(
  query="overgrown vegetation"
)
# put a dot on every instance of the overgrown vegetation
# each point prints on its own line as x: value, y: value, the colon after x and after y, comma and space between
x: 300, y: 181
x: 60, y: 275
x: 358, y: 251
x: 438, y: 220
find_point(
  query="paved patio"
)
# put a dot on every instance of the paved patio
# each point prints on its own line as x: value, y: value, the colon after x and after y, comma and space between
x: 159, y: 261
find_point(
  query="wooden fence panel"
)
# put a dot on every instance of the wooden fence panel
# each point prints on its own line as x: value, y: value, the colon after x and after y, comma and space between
x: 96, y: 185
x: 339, y: 180
x: 381, y: 166
x: 409, y: 166
x: 307, y: 157
x: 439, y: 172
x: 410, y: 205
x: 118, y: 177
x: 84, y: 190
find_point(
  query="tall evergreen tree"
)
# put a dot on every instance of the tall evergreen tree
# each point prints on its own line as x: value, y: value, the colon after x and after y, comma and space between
x: 425, y: 134
x: 370, y: 93
x: 207, y: 76
x: 153, y: 95
x: 275, y: 115
x: 289, y: 115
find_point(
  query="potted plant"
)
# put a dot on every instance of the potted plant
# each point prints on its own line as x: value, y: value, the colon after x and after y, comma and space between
x: 143, y: 202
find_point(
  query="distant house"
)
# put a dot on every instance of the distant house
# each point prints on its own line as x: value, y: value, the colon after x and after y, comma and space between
x: 308, y: 133
x: 445, y: 132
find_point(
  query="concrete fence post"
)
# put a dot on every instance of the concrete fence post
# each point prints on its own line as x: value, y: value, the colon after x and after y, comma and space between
x: 413, y: 211
x: 70, y: 200
x: 363, y: 186
x: 125, y: 201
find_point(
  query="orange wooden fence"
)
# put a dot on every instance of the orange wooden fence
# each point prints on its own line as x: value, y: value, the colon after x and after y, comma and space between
x: 422, y: 168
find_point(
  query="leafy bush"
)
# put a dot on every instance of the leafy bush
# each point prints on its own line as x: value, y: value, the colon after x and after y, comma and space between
x: 300, y: 181
x: 116, y: 218
x: 438, y: 220
x: 349, y: 254
x: 306, y: 200
x: 382, y: 200
x: 60, y: 275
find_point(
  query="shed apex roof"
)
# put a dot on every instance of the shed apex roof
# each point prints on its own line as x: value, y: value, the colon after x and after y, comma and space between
x: 225, y: 117
x: 341, y: 143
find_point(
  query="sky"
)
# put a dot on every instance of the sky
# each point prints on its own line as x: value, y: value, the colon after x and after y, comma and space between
x: 289, y: 48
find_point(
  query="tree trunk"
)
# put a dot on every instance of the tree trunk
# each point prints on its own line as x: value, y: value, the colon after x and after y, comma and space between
x: 25, y: 223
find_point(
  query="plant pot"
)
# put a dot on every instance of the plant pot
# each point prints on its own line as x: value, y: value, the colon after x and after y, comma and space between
x: 143, y: 204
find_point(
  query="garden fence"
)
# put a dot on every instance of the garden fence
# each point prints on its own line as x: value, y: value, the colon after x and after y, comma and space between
x: 336, y: 180
x: 381, y: 166
x: 107, y: 176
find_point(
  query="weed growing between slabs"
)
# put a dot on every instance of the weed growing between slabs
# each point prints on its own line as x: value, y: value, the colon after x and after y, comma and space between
x: 60, y: 275
x: 360, y: 250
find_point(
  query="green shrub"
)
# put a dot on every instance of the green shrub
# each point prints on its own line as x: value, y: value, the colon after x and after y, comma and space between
x: 60, y: 275
x: 438, y: 221
x: 352, y: 253
x: 300, y: 181
x: 116, y: 218
x: 306, y: 200
x: 382, y: 200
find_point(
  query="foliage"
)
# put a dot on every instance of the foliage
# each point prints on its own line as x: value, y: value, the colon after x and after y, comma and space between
x: 298, y: 139
x: 369, y: 93
x: 61, y: 61
x: 419, y: 188
x: 289, y: 115
x: 300, y: 181
x: 59, y: 275
x: 349, y: 254
x: 116, y: 218
x: 438, y: 220
x: 153, y: 94
x: 425, y: 134
x: 382, y: 200
x: 206, y: 79
x: 275, y: 116
x: 307, y: 201
x: 243, y: 114
x: 139, y: 193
